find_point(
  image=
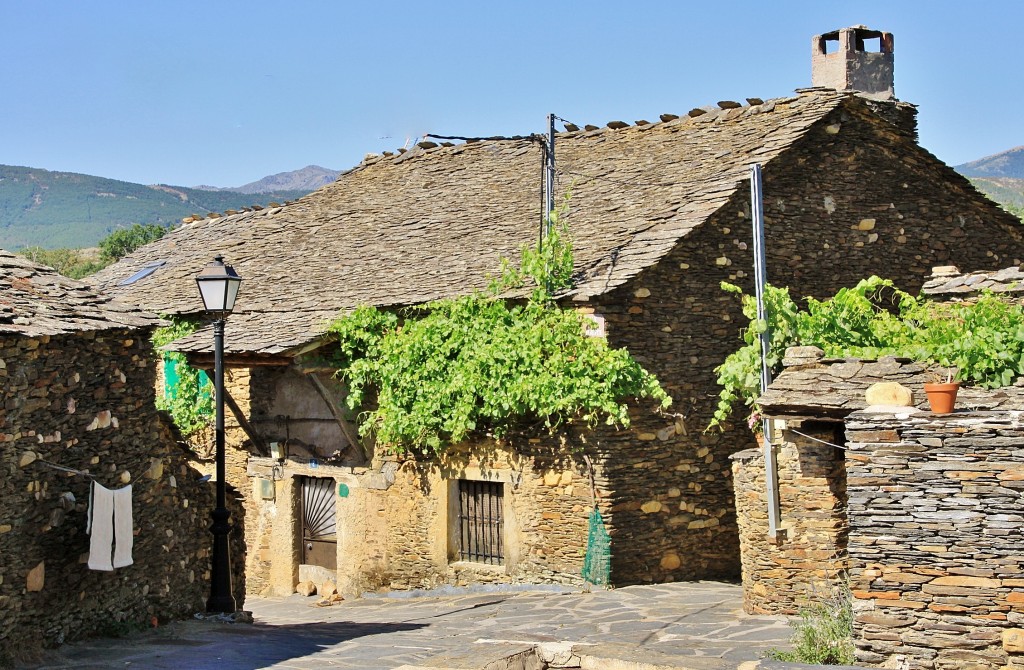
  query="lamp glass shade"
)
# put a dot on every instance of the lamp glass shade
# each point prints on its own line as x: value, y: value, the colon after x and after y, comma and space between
x: 218, y: 286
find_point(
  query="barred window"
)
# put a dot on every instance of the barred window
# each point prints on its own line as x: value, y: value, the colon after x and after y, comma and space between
x: 481, y: 523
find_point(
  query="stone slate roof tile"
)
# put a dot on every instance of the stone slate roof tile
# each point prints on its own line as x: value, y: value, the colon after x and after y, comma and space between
x: 833, y: 388
x: 433, y: 223
x: 950, y: 283
x: 36, y: 301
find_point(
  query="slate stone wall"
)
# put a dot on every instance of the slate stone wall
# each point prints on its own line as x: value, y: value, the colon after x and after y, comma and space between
x: 935, y: 511
x: 807, y: 558
x: 828, y: 226
x: 85, y: 401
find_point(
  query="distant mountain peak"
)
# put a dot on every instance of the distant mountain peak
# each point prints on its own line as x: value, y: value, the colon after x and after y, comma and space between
x: 308, y: 178
x: 1009, y: 163
x: 67, y: 209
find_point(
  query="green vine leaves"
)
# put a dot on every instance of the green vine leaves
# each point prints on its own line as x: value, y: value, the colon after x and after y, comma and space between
x: 190, y: 400
x: 477, y: 364
x: 983, y: 340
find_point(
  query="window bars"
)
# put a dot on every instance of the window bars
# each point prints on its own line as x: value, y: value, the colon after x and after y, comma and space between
x: 481, y: 522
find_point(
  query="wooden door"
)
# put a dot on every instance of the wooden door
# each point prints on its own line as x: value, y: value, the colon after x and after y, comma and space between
x: 319, y: 524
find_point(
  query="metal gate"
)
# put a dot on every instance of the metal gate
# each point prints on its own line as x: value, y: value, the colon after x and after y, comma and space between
x: 319, y: 525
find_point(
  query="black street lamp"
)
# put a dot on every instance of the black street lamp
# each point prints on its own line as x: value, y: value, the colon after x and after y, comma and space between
x: 218, y: 286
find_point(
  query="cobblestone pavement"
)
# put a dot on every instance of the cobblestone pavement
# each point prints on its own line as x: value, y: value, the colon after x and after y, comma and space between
x: 697, y: 626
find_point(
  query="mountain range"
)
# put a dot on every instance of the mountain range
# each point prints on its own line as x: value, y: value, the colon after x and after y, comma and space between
x: 1000, y: 177
x: 65, y: 209
x: 309, y: 178
x: 1006, y: 164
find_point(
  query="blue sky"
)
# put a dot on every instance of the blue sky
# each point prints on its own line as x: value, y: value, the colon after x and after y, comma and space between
x: 224, y: 93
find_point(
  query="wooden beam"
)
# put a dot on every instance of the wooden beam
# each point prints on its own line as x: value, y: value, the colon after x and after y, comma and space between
x: 350, y: 431
x: 204, y: 360
x: 257, y: 441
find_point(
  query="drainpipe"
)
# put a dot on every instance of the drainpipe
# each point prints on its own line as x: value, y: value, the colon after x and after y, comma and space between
x: 760, y: 279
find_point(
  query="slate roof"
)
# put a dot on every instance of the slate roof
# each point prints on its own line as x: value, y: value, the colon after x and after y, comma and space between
x: 36, y: 301
x: 948, y: 283
x: 435, y: 222
x: 815, y: 387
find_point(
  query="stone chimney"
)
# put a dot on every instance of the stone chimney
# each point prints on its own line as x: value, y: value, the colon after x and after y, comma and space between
x: 868, y: 73
x: 853, y: 67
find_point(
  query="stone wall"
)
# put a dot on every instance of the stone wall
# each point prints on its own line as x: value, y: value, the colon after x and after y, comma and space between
x: 827, y: 227
x: 935, y: 511
x: 85, y: 402
x: 547, y: 505
x: 807, y: 558
x: 396, y: 521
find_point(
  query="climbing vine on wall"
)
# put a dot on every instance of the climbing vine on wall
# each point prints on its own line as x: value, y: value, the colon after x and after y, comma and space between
x: 481, y: 364
x: 982, y: 340
x: 188, y: 393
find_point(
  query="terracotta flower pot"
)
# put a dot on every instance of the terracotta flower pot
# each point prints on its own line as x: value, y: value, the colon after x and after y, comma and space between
x: 942, y: 397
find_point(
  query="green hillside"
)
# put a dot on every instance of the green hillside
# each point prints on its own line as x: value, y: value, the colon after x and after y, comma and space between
x: 64, y: 209
x: 1006, y: 191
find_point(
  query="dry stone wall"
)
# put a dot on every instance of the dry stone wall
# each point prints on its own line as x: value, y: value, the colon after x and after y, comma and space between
x: 935, y: 510
x: 807, y: 558
x: 827, y: 227
x: 85, y: 401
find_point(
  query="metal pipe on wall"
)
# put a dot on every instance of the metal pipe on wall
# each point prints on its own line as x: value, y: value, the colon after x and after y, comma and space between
x: 764, y: 337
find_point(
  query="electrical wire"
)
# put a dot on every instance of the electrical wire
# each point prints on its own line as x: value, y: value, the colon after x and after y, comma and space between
x: 797, y: 432
x: 494, y: 138
x: 540, y: 139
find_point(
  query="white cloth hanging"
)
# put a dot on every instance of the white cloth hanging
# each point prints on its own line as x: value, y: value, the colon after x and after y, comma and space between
x: 110, y: 528
x: 123, y: 536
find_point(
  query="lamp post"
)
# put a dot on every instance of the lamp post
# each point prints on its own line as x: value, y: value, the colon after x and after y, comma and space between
x: 218, y: 286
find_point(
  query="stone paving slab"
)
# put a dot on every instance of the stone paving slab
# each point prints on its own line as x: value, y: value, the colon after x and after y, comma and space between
x: 696, y: 626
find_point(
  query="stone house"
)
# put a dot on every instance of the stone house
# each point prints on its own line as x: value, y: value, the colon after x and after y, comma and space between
x: 918, y: 513
x: 660, y: 216
x: 76, y: 406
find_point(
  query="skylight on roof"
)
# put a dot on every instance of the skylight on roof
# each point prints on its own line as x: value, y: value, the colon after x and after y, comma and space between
x: 147, y: 269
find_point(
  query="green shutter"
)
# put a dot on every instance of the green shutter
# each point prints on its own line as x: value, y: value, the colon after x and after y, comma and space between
x: 170, y: 377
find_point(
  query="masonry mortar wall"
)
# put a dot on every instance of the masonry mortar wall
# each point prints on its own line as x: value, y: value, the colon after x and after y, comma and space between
x: 808, y: 557
x: 53, y: 389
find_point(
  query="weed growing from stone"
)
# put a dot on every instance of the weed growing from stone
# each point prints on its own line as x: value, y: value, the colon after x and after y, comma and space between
x: 823, y: 635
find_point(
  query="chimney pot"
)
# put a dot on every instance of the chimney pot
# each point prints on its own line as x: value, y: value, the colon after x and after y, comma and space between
x: 852, y: 67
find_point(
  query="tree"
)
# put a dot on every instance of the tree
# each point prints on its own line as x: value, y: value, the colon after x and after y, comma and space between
x: 73, y: 263
x: 124, y: 241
